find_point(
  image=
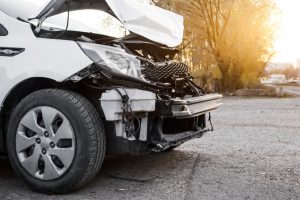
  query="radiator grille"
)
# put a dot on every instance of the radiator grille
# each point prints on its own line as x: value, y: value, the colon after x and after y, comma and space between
x: 167, y: 72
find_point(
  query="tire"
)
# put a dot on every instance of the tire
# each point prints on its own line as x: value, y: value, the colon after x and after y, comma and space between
x: 79, y: 135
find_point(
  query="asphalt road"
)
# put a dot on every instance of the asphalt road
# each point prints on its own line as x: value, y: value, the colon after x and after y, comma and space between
x: 253, y: 154
x: 293, y: 90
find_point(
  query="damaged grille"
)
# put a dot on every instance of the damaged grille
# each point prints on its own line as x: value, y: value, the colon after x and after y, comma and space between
x: 165, y: 72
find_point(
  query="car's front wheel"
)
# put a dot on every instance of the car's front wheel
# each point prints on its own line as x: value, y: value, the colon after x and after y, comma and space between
x: 55, y: 141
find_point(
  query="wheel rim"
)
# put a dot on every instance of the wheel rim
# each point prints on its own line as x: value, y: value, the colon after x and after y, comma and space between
x: 45, y: 143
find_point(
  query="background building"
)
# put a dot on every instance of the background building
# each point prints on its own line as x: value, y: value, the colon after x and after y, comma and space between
x: 279, y: 66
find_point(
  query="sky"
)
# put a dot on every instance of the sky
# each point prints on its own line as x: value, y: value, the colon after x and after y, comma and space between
x: 287, y: 43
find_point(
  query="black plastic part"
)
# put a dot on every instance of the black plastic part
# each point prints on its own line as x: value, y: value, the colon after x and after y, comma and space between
x: 175, y: 140
x: 166, y: 73
x: 155, y: 129
x: 163, y: 108
x: 117, y: 145
x: 162, y: 134
x: 129, y: 81
x: 175, y: 126
x: 3, y: 31
x: 11, y: 51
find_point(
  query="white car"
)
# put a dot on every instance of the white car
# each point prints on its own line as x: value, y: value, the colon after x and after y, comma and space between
x: 70, y: 96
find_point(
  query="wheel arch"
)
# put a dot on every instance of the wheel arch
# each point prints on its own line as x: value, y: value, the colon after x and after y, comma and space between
x: 28, y: 86
x: 15, y: 96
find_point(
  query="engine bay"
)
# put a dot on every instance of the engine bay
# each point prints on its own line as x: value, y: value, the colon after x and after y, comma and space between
x: 162, y: 73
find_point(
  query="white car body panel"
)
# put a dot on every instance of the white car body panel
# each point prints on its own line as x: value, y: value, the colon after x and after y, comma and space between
x: 57, y: 60
x: 150, y: 21
x: 24, y: 9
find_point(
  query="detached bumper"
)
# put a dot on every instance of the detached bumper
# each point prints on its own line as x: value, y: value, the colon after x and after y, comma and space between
x: 196, y: 106
x: 188, y: 108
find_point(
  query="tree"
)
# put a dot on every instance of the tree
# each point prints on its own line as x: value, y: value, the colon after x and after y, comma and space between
x: 227, y: 40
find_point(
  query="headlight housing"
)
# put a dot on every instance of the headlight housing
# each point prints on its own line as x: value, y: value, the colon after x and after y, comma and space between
x: 114, y: 58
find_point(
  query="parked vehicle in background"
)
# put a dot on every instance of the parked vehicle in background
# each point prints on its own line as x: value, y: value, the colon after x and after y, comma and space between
x: 275, y: 79
x: 69, y: 96
x: 294, y: 81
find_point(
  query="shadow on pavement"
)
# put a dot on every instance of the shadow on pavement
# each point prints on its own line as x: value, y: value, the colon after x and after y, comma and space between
x: 5, y: 170
x: 118, y: 172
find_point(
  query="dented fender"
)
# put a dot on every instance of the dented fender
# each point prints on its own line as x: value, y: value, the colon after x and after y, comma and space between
x: 52, y: 59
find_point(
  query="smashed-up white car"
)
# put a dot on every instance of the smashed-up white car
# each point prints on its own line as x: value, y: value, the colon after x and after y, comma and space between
x: 70, y: 94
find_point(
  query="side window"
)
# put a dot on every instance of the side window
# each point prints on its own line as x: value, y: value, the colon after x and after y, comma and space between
x: 3, y: 31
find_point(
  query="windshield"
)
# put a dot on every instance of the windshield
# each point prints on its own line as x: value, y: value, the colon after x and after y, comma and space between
x: 89, y: 21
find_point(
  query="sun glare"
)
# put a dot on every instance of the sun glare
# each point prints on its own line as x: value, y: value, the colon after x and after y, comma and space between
x: 287, y: 44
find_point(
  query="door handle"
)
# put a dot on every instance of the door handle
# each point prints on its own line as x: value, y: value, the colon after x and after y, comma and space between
x: 6, y: 51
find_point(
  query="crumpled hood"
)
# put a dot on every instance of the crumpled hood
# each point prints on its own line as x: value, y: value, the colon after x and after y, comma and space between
x: 149, y: 21
x: 152, y: 22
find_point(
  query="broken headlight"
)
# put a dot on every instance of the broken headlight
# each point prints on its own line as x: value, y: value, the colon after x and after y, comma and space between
x: 114, y: 58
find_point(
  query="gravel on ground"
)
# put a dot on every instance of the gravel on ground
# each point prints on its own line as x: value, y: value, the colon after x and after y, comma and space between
x: 254, y: 153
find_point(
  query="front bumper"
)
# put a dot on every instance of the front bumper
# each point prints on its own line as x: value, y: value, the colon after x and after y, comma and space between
x: 164, y: 123
x: 188, y: 108
x: 196, y: 106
